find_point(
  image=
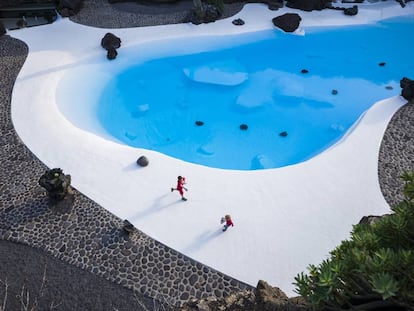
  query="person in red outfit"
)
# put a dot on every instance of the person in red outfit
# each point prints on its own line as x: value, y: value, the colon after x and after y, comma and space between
x: 228, y: 222
x: 180, y: 187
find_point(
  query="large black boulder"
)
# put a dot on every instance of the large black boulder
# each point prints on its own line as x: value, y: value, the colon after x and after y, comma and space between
x: 288, y: 22
x: 110, y: 42
x: 407, y: 86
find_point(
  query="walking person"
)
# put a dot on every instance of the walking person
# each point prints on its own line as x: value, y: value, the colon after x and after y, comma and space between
x: 180, y: 187
x: 228, y: 222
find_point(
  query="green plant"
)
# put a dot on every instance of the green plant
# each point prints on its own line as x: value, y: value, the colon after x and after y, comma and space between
x: 373, y: 269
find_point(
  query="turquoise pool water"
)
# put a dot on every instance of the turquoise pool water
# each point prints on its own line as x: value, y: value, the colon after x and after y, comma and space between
x: 270, y: 102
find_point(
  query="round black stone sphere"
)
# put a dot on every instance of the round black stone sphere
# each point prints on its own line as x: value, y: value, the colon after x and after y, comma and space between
x: 142, y: 161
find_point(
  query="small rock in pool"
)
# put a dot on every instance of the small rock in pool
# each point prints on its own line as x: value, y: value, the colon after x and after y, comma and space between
x: 304, y: 71
x: 199, y: 123
x: 381, y: 64
x: 389, y: 87
x: 243, y: 127
x: 283, y: 134
x: 334, y: 92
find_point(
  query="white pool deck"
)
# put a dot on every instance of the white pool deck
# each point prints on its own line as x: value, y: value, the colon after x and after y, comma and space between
x: 285, y: 219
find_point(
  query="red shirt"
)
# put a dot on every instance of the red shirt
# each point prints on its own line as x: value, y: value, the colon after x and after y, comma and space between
x: 180, y: 184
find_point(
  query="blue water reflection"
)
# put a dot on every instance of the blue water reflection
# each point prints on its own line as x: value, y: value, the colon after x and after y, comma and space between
x: 297, y: 95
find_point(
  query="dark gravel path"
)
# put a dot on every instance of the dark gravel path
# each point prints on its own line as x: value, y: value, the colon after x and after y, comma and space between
x: 50, y: 284
x: 23, y: 267
x: 397, y: 153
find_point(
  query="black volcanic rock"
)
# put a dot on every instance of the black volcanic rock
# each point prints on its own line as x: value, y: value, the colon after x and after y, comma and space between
x: 288, y: 22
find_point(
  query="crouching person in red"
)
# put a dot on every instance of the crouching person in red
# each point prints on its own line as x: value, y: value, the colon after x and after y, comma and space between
x: 228, y: 222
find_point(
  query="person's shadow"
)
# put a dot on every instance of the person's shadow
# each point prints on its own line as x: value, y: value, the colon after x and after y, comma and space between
x: 154, y: 208
x: 132, y: 167
x: 203, y: 239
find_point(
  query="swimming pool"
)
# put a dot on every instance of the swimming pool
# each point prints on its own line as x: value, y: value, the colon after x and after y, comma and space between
x: 268, y: 99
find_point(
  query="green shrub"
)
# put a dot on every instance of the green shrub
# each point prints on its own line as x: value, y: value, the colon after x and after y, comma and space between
x: 374, y: 269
